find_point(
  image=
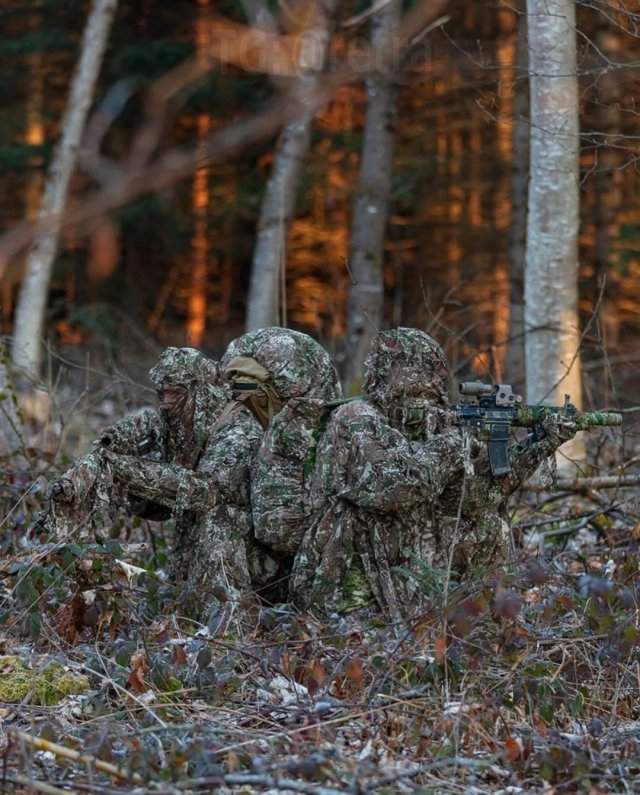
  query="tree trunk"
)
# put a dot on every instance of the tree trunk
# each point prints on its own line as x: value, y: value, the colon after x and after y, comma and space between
x: 267, y: 275
x: 551, y: 276
x: 11, y: 441
x: 515, y: 363
x: 371, y: 207
x: 33, y: 293
x: 608, y: 195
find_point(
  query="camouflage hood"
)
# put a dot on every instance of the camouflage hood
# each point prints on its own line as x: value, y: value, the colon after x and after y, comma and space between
x: 405, y: 364
x: 190, y: 422
x: 182, y: 367
x: 295, y: 364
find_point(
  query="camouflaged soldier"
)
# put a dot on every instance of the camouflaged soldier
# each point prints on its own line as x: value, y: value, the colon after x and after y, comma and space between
x: 389, y: 489
x: 286, y: 378
x: 197, y: 473
x: 211, y: 441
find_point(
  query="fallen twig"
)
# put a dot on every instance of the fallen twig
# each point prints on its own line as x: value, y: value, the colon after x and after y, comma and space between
x: 247, y: 779
x: 75, y: 756
x: 39, y: 786
x: 585, y: 484
x: 267, y: 782
x: 429, y: 767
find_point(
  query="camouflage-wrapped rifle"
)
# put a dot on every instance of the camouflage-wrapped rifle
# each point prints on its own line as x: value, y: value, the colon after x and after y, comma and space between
x: 493, y: 409
x: 137, y: 434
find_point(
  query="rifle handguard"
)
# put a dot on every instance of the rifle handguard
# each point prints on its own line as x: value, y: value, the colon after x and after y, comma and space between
x: 528, y: 416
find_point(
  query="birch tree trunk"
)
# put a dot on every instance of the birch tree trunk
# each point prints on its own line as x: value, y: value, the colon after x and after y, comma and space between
x: 267, y: 273
x: 371, y: 206
x: 39, y: 262
x: 551, y: 275
x: 11, y: 441
x: 515, y: 363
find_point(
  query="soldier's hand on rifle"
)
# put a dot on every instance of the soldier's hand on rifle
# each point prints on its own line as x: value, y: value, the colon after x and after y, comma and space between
x: 62, y: 491
x: 558, y: 429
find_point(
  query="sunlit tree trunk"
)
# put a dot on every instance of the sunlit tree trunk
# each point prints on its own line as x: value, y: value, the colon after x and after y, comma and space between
x: 506, y: 54
x: 371, y: 206
x: 267, y: 275
x: 33, y: 294
x: 608, y: 175
x: 515, y: 363
x: 11, y: 430
x: 551, y: 276
x: 197, y: 302
x: 34, y: 136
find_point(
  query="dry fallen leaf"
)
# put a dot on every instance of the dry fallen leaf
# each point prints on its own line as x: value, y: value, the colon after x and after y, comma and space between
x: 440, y: 649
x: 513, y: 748
x: 354, y: 671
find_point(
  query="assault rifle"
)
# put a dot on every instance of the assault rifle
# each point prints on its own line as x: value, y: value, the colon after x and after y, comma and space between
x: 138, y: 434
x: 493, y: 409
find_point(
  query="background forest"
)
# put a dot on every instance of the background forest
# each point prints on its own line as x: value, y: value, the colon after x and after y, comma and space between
x: 176, y: 265
x: 176, y: 171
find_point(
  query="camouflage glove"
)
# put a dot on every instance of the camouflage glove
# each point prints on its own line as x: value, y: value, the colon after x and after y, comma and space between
x: 558, y: 429
x: 62, y: 492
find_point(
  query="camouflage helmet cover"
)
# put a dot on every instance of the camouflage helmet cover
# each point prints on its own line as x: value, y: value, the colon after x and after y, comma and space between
x: 405, y: 363
x: 297, y: 364
x: 183, y: 366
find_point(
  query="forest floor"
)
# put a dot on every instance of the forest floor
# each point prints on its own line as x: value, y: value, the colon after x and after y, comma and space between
x: 526, y: 679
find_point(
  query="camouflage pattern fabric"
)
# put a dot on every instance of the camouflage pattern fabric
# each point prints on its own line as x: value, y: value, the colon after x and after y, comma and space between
x: 304, y: 379
x: 374, y: 493
x: 398, y: 491
x: 380, y: 467
x: 405, y: 363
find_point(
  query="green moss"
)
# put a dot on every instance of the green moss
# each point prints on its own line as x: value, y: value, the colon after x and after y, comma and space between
x: 603, y: 522
x: 356, y: 592
x: 48, y: 685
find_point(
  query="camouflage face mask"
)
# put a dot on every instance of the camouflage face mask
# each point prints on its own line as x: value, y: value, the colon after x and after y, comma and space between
x: 251, y: 384
x: 410, y: 417
x: 181, y: 367
x: 405, y: 368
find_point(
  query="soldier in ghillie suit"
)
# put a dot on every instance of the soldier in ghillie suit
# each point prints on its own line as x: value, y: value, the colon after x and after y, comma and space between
x: 389, y: 492
x: 198, y: 448
x: 287, y: 379
x: 211, y: 441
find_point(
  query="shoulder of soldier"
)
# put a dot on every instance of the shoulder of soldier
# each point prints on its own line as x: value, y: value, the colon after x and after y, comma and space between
x: 239, y: 426
x: 354, y: 415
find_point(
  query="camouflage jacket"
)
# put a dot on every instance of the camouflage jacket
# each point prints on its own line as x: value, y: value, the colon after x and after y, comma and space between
x: 374, y: 497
